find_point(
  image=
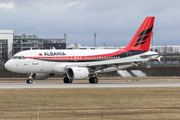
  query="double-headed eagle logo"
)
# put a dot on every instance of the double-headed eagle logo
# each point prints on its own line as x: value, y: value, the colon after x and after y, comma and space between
x: 143, y: 36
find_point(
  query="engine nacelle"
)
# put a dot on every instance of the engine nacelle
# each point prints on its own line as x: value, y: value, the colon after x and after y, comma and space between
x: 77, y: 73
x: 41, y: 76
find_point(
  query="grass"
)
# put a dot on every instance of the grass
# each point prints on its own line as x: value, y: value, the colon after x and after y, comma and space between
x: 68, y: 104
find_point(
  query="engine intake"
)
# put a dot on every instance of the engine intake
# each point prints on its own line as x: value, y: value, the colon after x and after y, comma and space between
x: 77, y: 73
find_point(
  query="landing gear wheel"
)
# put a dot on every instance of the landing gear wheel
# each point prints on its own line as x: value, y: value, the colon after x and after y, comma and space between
x: 67, y: 80
x: 93, y: 80
x: 29, y: 81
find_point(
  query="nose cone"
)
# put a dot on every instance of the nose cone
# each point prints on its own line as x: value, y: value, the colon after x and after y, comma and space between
x: 8, y: 65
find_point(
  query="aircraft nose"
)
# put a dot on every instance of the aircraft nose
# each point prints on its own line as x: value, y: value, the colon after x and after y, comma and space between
x: 8, y: 65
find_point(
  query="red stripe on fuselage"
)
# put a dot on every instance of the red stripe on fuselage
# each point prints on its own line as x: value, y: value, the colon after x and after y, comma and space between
x: 89, y: 57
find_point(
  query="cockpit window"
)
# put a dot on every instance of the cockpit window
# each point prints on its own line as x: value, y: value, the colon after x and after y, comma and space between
x: 15, y: 57
x: 23, y: 57
x: 18, y: 57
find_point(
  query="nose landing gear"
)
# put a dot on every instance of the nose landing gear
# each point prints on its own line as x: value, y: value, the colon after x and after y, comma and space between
x: 30, y: 79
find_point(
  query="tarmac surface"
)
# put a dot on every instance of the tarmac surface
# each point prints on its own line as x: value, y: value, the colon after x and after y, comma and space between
x: 88, y: 85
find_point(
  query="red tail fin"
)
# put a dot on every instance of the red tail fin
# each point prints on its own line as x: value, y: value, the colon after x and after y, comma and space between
x: 142, y: 38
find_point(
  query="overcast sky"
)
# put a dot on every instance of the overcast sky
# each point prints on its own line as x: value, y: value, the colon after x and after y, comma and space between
x: 116, y: 21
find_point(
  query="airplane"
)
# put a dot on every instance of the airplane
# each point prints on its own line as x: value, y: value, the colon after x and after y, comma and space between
x: 81, y: 64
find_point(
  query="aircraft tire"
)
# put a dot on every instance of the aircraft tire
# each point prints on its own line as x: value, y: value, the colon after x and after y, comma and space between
x: 93, y: 80
x: 90, y: 80
x: 29, y: 81
x: 67, y: 80
x: 70, y: 81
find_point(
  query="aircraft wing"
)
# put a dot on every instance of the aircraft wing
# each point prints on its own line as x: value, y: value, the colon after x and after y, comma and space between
x: 105, y: 64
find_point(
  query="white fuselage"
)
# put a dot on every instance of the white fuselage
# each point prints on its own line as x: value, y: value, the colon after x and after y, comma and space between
x: 55, y: 61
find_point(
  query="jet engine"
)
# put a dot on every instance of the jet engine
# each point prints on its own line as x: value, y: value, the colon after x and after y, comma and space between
x: 41, y: 76
x: 77, y: 73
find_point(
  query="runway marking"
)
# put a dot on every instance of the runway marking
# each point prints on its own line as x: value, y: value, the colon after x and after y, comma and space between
x: 88, y: 85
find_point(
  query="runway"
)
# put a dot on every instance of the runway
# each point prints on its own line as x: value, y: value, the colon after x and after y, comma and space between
x: 87, y: 85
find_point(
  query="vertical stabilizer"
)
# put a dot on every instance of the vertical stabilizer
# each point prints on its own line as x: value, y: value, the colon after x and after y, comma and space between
x: 142, y: 38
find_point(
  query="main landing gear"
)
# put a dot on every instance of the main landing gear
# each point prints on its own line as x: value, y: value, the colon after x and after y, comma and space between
x: 93, y: 80
x: 67, y: 80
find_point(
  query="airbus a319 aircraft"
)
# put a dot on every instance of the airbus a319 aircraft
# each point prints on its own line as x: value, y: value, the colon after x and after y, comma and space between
x: 80, y: 64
